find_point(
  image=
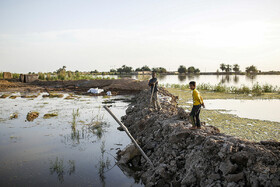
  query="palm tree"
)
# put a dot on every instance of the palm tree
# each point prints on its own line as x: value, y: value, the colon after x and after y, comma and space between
x: 236, y: 68
x: 223, y: 67
x: 228, y: 68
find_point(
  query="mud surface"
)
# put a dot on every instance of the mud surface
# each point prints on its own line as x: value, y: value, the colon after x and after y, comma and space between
x: 205, y: 157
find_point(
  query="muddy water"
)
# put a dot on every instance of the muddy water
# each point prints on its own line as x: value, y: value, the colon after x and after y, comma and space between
x: 253, y: 109
x: 66, y: 150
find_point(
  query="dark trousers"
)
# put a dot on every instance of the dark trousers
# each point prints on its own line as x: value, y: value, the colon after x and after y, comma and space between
x: 195, y: 115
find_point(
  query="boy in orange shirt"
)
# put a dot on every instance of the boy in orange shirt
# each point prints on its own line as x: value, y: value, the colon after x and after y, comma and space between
x: 197, y: 103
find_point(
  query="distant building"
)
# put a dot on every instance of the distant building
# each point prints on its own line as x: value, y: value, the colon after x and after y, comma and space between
x: 7, y: 75
x: 28, y: 77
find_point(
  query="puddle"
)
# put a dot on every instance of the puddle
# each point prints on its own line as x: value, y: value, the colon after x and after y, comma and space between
x: 252, y: 109
x: 75, y: 148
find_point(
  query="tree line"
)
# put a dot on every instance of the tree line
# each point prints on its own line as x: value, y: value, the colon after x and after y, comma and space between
x: 236, y: 68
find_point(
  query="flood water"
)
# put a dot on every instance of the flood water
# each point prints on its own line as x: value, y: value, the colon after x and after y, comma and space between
x: 62, y: 150
x: 229, y: 80
x: 262, y: 109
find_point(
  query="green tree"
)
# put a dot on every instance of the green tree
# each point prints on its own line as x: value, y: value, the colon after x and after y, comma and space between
x: 251, y: 69
x: 113, y: 70
x: 160, y: 70
x: 144, y: 68
x: 223, y: 67
x: 125, y: 69
x: 236, y: 68
x: 41, y: 76
x: 182, y: 69
x: 61, y: 73
x: 191, y: 69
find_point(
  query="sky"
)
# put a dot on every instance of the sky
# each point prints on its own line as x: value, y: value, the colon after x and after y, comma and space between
x: 84, y: 35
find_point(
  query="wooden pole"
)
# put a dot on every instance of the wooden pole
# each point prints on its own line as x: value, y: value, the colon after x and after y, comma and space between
x: 130, y: 136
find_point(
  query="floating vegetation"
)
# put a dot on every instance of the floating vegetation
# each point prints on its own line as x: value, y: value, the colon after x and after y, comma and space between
x: 47, y: 116
x: 4, y: 96
x: 75, y: 115
x: 32, y: 115
x: 104, y: 163
x: 97, y: 124
x: 30, y: 96
x: 13, y: 96
x: 69, y: 97
x: 14, y: 116
x: 53, y: 95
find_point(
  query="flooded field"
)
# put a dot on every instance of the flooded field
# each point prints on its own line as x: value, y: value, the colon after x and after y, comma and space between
x: 244, y: 117
x: 73, y: 145
x: 254, y: 109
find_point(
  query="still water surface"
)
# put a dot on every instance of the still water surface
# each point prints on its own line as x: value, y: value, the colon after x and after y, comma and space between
x: 262, y: 109
x: 229, y: 80
x: 49, y: 152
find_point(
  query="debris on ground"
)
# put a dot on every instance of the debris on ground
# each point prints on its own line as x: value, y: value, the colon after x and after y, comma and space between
x: 95, y: 90
x: 202, y: 157
x: 32, y: 115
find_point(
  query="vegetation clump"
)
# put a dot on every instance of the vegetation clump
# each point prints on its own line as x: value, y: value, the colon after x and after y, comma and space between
x: 13, y: 96
x: 30, y: 96
x: 53, y: 95
x: 14, y: 116
x: 47, y: 116
x: 32, y: 115
x: 4, y: 96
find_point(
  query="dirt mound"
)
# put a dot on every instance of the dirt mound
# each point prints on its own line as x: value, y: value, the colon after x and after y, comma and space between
x: 116, y: 86
x: 184, y: 157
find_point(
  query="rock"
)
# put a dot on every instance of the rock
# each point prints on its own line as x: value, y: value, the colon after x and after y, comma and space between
x: 128, y: 154
x: 227, y: 167
x: 182, y: 113
x: 234, y: 177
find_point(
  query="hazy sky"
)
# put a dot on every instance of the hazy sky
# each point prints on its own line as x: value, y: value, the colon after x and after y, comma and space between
x: 44, y: 35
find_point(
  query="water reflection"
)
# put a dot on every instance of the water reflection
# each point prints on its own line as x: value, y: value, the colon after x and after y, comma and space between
x: 182, y: 78
x: 236, y: 78
x: 104, y: 163
x: 225, y: 79
x: 83, y: 131
x: 57, y: 167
